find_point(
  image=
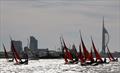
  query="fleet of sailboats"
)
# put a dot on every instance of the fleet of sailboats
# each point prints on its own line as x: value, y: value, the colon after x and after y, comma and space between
x: 71, y: 56
x: 86, y: 57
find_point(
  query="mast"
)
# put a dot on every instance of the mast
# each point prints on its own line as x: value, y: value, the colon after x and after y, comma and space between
x: 85, y: 51
x: 6, y: 54
x: 11, y: 48
x: 62, y: 48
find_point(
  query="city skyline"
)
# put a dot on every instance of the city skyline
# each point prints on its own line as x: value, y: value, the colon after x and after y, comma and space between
x: 48, y: 20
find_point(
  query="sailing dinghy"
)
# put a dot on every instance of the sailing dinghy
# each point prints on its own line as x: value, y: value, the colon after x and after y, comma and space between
x: 111, y: 58
x: 5, y: 52
x: 17, y: 56
x: 67, y: 54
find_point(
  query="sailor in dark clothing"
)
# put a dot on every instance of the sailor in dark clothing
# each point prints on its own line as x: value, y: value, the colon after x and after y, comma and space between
x: 116, y: 59
x: 104, y: 60
x: 26, y: 58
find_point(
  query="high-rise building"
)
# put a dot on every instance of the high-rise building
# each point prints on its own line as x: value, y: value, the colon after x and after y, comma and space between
x: 33, y: 43
x: 18, y: 46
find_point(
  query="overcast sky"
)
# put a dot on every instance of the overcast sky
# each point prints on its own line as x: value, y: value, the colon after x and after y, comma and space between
x: 47, y: 20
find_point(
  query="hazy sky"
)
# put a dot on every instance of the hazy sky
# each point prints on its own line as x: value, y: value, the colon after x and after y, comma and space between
x: 47, y: 20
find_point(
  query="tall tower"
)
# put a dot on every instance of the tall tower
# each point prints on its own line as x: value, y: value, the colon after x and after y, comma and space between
x: 105, y: 39
x: 33, y: 43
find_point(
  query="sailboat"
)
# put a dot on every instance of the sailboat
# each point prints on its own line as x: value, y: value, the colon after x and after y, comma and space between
x: 88, y: 58
x: 111, y: 58
x: 75, y: 54
x: 63, y: 52
x: 85, y: 51
x: 81, y: 57
x: 5, y: 52
x: 81, y: 54
x: 67, y: 54
x: 98, y: 57
x: 16, y: 56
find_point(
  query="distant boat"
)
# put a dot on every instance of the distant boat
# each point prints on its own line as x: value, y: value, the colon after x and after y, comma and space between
x: 17, y: 56
x: 75, y: 54
x: 81, y: 56
x: 5, y: 52
x: 67, y: 55
x: 111, y: 58
x: 85, y: 51
x: 87, y: 58
x: 98, y: 57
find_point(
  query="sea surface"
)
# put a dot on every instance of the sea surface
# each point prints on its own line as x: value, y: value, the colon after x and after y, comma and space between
x: 56, y: 66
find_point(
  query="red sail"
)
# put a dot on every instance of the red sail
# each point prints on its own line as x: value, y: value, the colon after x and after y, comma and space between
x: 80, y: 52
x: 90, y: 58
x: 98, y: 57
x: 85, y: 51
x: 65, y: 58
x: 110, y: 55
x: 16, y: 55
x: 69, y: 56
x: 6, y: 55
x: 81, y: 57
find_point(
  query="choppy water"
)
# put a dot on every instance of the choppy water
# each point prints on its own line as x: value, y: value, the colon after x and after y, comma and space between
x: 56, y: 66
